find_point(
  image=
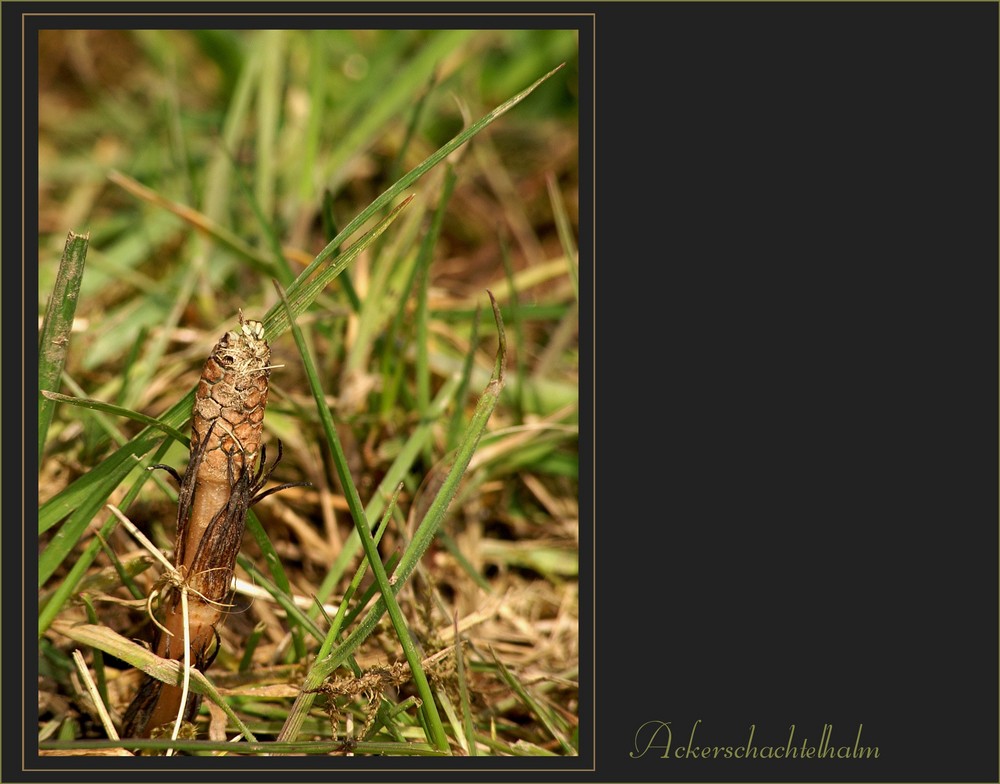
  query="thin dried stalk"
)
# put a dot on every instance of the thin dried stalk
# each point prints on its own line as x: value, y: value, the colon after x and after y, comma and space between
x: 216, y: 491
x: 95, y: 696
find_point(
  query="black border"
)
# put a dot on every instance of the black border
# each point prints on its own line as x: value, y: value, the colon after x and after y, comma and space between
x: 797, y: 387
x: 786, y: 539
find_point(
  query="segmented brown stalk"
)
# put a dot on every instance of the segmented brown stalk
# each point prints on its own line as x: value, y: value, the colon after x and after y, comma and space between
x: 217, y: 489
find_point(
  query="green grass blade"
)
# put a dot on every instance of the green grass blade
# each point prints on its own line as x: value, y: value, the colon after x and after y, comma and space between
x: 57, y: 326
x: 296, y: 717
x: 69, y: 534
x: 304, y: 289
x: 437, y: 735
x: 330, y: 231
x: 127, y: 413
x: 397, y: 473
x: 251, y: 646
x: 421, y: 169
x: 463, y: 693
x: 269, y: 95
x: 427, y: 529
x: 99, y: 671
x: 166, y: 670
x: 197, y: 220
x: 265, y: 748
x: 412, y: 125
x: 68, y: 584
x: 391, y: 96
x: 423, y: 371
x: 431, y: 522
x: 534, y: 706
x: 281, y: 265
x: 108, y: 475
x: 565, y: 233
x: 520, y: 360
x: 218, y: 186
x: 281, y: 597
x: 314, y: 123
x: 455, y: 426
x: 281, y: 581
x: 452, y: 547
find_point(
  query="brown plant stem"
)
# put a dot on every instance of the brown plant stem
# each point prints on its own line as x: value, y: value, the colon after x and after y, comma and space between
x: 217, y: 489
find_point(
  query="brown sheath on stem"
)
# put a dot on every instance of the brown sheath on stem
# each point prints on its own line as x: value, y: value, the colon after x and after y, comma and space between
x: 215, y: 494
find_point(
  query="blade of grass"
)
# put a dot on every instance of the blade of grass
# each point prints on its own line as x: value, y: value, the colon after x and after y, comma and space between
x: 564, y: 338
x: 303, y: 290
x: 517, y: 391
x: 453, y: 719
x: 251, y: 646
x: 57, y: 325
x: 455, y: 427
x: 127, y: 413
x: 47, y: 562
x: 304, y: 701
x: 343, y: 109
x: 272, y: 46
x: 246, y: 66
x: 104, y: 478
x: 365, y: 599
x: 463, y: 692
x: 262, y: 748
x: 66, y: 538
x: 330, y: 231
x: 565, y: 232
x: 386, y: 714
x: 391, y: 96
x: 420, y: 169
x: 436, y: 736
x: 533, y: 705
x: 282, y: 598
x: 281, y: 265
x: 103, y: 424
x: 197, y: 220
x: 278, y: 573
x: 120, y: 569
x: 411, y: 126
x: 129, y: 365
x: 167, y: 670
x: 421, y: 338
x: 317, y: 95
x: 102, y: 678
x: 397, y: 473
x: 425, y: 533
x: 452, y: 547
x: 387, y: 262
x: 100, y: 701
x: 392, y: 365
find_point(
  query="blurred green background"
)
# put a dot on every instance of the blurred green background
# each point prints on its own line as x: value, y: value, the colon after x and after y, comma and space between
x: 206, y: 118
